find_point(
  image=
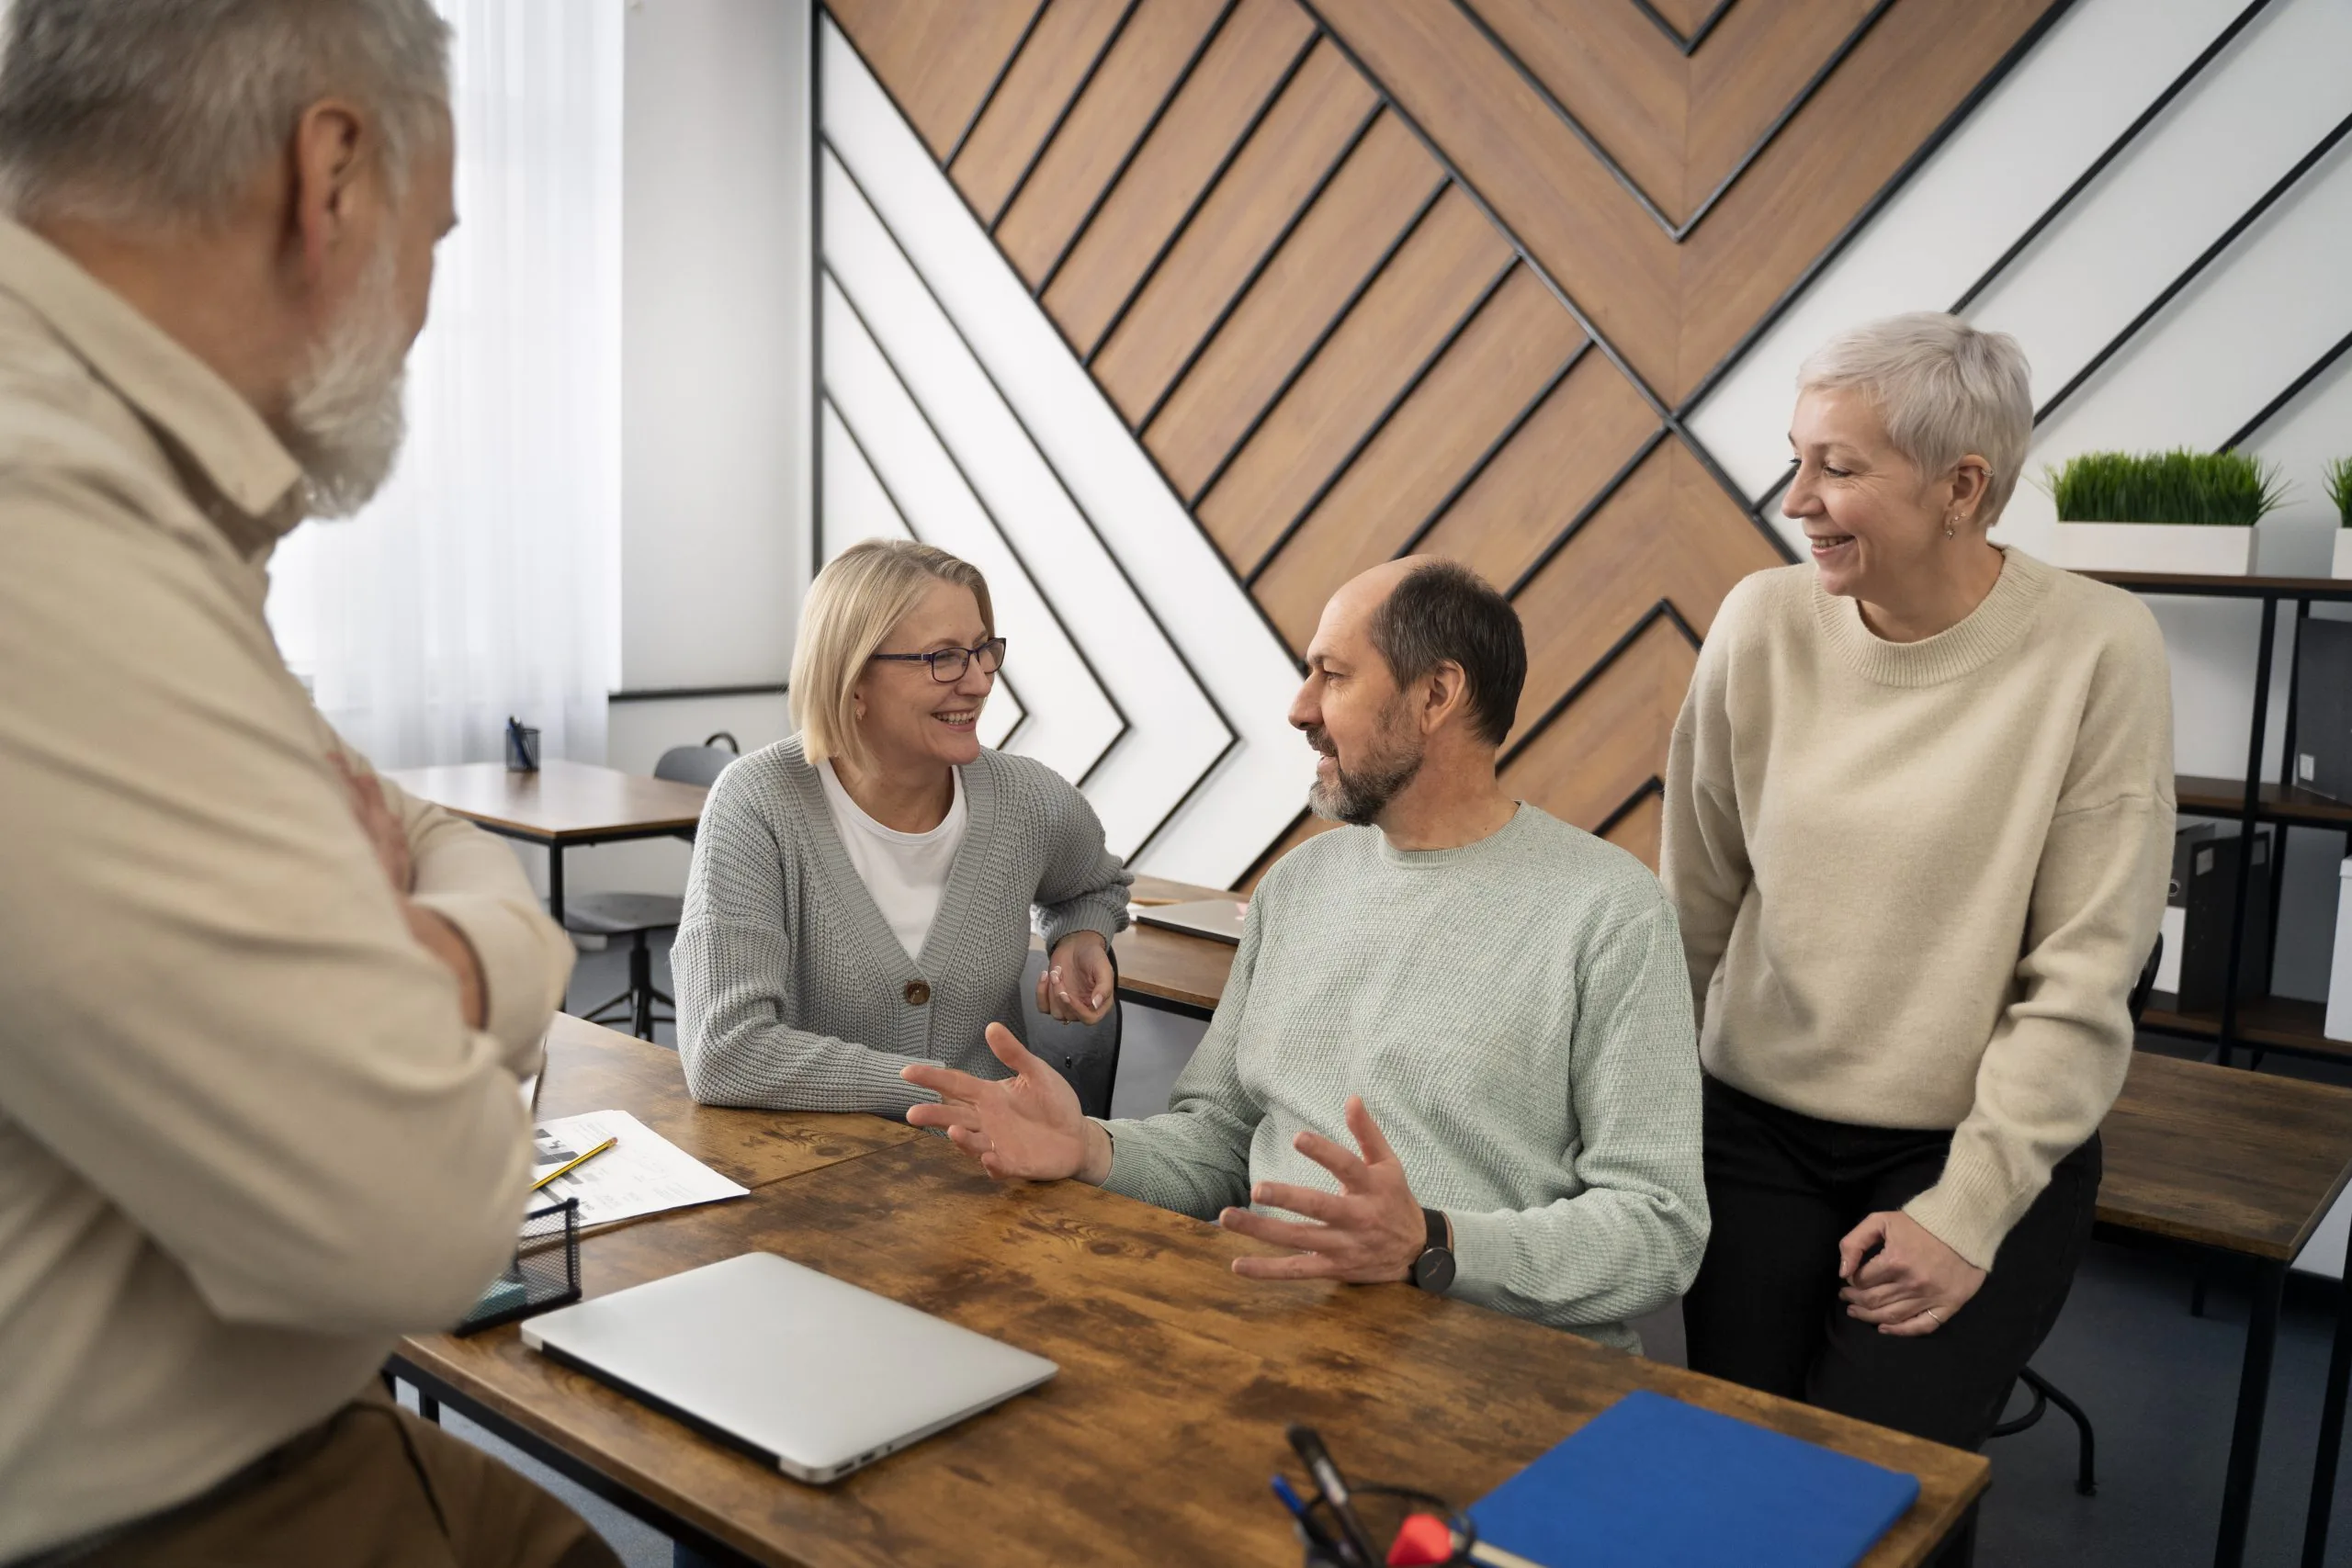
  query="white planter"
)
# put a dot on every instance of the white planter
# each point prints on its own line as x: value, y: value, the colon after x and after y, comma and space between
x: 2343, y: 566
x: 2192, y: 549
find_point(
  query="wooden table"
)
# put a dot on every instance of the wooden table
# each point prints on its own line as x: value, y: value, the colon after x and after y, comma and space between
x: 593, y: 1068
x: 563, y: 805
x: 1154, y: 1443
x: 2208, y: 1157
x: 1173, y: 971
x: 2230, y: 1160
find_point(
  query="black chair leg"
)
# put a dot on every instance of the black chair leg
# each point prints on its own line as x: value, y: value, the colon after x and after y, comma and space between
x: 640, y: 986
x: 2087, y: 1449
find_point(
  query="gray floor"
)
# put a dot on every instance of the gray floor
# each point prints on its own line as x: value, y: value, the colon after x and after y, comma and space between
x: 2160, y: 1385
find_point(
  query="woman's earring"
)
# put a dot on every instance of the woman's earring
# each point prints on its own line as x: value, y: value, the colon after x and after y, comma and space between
x: 1950, y: 531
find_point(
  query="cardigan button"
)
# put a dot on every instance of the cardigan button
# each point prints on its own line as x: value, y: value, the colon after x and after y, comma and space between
x: 918, y: 993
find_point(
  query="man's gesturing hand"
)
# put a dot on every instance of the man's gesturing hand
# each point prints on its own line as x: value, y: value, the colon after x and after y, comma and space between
x: 1025, y: 1127
x: 1370, y: 1231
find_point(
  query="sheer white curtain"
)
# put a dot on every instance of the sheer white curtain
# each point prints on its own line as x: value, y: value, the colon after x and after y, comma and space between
x: 482, y: 581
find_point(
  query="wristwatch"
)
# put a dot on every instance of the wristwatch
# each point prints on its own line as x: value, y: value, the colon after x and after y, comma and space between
x: 1433, y: 1270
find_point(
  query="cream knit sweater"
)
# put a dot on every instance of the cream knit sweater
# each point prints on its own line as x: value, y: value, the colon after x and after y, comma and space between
x: 1916, y: 881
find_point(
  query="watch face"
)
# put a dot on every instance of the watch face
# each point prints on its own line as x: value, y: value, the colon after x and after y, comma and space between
x: 1433, y: 1270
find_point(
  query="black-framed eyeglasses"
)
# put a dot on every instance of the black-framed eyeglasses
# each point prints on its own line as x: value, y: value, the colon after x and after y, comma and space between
x: 949, y: 664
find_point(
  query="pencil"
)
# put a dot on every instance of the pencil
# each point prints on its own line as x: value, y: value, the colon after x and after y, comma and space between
x: 573, y: 1164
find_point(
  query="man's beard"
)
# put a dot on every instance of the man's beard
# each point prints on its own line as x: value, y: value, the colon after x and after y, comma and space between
x: 345, y: 418
x: 1358, y: 798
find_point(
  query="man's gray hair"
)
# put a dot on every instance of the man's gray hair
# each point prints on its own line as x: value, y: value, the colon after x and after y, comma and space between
x: 1944, y: 390
x: 147, y: 110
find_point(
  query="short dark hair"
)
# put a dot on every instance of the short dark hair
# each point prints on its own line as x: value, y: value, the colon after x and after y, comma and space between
x: 1443, y: 612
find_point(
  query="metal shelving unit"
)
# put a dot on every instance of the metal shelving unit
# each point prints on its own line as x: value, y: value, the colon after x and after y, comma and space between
x: 2266, y: 1022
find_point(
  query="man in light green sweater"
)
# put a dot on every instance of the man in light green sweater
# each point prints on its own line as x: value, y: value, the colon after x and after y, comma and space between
x: 1487, y: 1004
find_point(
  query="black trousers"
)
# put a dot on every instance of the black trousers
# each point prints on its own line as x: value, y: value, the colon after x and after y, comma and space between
x: 1764, y: 1311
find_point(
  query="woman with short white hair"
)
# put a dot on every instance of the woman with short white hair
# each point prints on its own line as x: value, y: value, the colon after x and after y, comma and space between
x: 861, y: 893
x: 1919, y: 823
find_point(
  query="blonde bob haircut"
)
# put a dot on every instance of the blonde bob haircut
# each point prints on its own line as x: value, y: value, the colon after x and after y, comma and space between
x: 1943, y: 389
x: 852, y: 607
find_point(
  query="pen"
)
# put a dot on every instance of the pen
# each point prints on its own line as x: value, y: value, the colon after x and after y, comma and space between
x: 1356, y: 1545
x: 573, y: 1164
x: 1317, y: 1537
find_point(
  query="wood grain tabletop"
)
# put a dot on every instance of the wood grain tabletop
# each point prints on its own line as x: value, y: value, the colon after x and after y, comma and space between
x: 593, y: 1068
x: 2245, y: 1161
x: 1155, y: 1442
x: 562, y: 802
x: 2248, y: 1162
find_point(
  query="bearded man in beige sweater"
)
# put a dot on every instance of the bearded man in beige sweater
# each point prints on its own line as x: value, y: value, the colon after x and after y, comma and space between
x: 1919, y: 815
x: 264, y: 1014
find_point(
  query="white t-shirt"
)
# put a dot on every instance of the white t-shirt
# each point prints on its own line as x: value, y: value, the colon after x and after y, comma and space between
x: 906, y: 873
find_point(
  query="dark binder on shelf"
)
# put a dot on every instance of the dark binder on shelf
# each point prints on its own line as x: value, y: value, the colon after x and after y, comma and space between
x: 2210, y: 900
x: 1651, y: 1480
x: 2323, y: 709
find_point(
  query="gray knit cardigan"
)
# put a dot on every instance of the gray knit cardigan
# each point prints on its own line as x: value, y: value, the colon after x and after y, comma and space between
x: 793, y: 991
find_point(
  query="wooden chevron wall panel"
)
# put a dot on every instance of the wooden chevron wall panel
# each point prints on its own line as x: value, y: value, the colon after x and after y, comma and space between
x: 1371, y: 276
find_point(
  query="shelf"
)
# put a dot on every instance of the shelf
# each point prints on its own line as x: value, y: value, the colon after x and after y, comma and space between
x: 2226, y: 798
x: 2280, y: 1022
x: 2320, y: 590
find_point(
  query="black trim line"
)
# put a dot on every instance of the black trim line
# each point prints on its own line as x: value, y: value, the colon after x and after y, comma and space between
x: 1110, y: 41
x: 1134, y: 149
x: 1192, y: 210
x: 1461, y: 487
x: 1380, y: 422
x: 1689, y: 46
x: 1663, y: 610
x: 1224, y: 720
x: 1257, y: 270
x: 1330, y: 330
x: 1676, y: 231
x: 2245, y: 220
x: 2269, y: 411
x: 979, y: 111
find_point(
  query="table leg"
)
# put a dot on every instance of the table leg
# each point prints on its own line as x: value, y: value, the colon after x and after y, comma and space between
x: 554, y: 883
x: 2330, y: 1422
x: 2254, y: 1395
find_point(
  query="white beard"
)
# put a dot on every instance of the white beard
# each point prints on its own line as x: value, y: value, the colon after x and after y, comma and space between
x: 346, y: 416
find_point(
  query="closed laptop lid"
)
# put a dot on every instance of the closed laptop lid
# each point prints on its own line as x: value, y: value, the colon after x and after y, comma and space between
x: 1218, y: 918
x: 807, y: 1370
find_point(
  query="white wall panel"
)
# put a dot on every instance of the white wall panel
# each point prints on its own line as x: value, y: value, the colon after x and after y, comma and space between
x: 1071, y: 722
x: 2255, y: 319
x: 1175, y: 733
x: 2246, y: 121
x: 2049, y: 120
x: 1153, y: 547
x: 855, y: 506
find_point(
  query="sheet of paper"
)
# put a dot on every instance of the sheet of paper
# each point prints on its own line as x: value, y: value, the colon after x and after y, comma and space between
x: 642, y: 1173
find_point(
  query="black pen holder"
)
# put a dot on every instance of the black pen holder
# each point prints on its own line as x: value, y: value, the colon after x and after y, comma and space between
x: 1382, y: 1509
x: 545, y: 1272
x: 522, y: 749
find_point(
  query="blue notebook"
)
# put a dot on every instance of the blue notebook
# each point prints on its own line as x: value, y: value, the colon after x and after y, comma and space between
x: 1653, y: 1482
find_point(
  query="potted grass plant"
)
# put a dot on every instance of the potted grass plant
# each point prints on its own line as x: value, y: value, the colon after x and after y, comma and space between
x: 2180, y: 511
x: 2339, y: 492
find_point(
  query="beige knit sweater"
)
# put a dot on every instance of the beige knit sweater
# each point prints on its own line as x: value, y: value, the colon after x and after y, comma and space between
x: 1916, y: 881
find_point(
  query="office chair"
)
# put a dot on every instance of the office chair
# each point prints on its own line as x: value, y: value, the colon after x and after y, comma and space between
x: 638, y: 915
x: 1085, y: 1053
x: 2045, y: 1393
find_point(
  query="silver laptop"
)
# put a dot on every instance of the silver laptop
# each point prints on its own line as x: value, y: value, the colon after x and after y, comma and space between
x: 1219, y: 918
x: 808, y: 1372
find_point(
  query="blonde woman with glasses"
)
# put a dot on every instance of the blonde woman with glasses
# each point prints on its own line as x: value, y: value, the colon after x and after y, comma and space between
x: 1918, y: 819
x: 861, y: 894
